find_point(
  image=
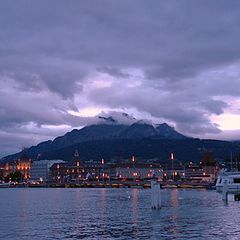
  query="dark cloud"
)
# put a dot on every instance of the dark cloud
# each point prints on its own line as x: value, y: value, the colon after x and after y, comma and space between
x: 116, y: 72
x: 176, y: 61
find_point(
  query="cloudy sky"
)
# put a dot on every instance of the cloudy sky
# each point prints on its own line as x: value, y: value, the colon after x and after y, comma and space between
x: 63, y: 62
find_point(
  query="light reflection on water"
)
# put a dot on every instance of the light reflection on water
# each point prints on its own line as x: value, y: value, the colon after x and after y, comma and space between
x: 115, y: 214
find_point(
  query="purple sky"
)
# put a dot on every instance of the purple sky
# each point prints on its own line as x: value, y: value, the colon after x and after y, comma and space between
x: 62, y: 62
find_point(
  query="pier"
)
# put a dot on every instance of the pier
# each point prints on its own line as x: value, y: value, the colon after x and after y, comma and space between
x: 115, y: 184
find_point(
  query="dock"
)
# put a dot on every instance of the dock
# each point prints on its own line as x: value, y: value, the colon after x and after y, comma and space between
x: 116, y: 184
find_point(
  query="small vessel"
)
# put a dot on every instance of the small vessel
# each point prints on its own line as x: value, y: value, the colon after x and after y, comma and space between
x: 232, y: 179
x: 4, y: 185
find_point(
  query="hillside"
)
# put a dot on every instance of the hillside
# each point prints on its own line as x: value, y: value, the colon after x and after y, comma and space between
x: 113, y: 141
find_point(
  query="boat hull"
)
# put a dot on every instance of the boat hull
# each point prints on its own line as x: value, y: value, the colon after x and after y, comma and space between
x: 4, y: 185
x: 232, y: 179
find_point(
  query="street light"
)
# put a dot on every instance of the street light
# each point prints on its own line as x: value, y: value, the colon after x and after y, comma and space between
x: 172, y: 158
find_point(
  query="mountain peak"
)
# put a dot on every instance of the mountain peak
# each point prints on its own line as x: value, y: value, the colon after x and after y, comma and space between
x: 119, y: 127
x: 169, y: 132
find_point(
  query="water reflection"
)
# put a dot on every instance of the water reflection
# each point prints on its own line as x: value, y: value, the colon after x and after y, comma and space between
x: 174, y: 216
x: 134, y: 204
x: 115, y: 214
x: 174, y: 198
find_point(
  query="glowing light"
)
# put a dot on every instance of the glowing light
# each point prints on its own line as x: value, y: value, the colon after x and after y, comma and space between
x: 172, y: 156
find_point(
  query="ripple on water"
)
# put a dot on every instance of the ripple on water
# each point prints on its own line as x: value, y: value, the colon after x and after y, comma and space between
x: 115, y: 214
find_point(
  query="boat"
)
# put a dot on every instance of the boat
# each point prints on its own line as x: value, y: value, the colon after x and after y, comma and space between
x: 4, y: 185
x: 232, y: 179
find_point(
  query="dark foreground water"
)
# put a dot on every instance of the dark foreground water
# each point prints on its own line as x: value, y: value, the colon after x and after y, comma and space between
x: 37, y: 214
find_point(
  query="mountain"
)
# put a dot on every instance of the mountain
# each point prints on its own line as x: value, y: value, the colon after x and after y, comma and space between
x: 113, y: 140
x: 109, y: 130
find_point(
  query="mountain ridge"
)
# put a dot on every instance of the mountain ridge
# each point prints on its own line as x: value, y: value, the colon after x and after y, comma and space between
x: 103, y: 131
x: 113, y: 141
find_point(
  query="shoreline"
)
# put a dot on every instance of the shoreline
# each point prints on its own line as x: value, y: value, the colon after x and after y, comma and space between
x: 116, y: 184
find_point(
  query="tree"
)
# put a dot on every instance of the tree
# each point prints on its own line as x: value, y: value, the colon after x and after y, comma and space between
x: 16, y: 176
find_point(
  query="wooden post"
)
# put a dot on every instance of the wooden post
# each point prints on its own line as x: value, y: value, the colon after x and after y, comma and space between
x: 156, y: 195
x: 225, y: 191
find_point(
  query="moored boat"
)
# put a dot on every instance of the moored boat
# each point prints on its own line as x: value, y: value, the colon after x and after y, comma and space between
x: 4, y: 185
x: 232, y: 179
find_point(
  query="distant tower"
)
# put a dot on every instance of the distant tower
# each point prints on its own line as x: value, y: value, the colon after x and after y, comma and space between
x: 77, y: 158
x: 76, y: 154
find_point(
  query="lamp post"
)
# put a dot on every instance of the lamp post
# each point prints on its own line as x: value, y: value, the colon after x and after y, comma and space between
x: 172, y: 158
x: 102, y: 174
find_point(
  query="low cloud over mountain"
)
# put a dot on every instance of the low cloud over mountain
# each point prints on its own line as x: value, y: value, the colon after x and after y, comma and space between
x: 167, y: 61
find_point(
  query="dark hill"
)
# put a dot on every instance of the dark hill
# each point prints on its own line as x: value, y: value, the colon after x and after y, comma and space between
x: 116, y: 141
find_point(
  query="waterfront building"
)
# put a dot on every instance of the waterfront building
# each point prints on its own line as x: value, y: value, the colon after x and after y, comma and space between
x: 67, y: 171
x: 210, y: 166
x: 96, y: 171
x: 2, y: 171
x: 187, y: 172
x: 40, y: 170
x: 174, y: 171
x: 195, y: 173
x: 74, y: 172
x: 5, y: 170
x: 22, y: 165
x: 135, y: 170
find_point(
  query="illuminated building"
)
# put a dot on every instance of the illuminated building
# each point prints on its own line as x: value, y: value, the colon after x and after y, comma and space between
x: 63, y: 172
x: 135, y: 170
x: 40, y: 170
x: 23, y: 165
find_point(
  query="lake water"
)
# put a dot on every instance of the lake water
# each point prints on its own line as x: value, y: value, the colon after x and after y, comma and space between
x: 37, y: 214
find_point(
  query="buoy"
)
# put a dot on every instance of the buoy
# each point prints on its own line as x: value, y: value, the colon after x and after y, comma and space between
x: 156, y: 195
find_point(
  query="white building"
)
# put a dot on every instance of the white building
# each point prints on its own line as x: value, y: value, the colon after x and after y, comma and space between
x: 39, y: 170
